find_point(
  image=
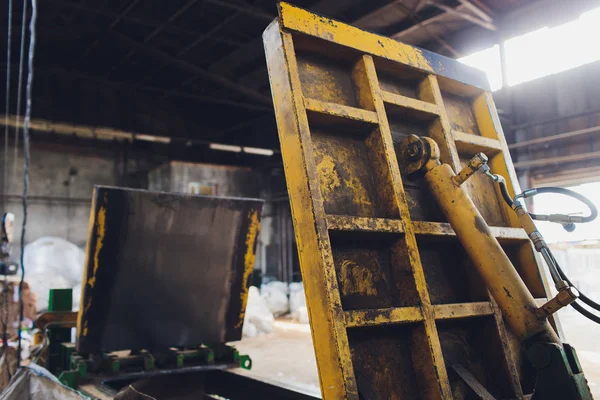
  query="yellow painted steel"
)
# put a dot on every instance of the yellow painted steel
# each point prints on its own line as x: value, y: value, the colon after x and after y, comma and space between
x: 297, y: 19
x: 323, y: 302
x: 93, y: 220
x: 377, y: 259
x: 506, y: 286
x: 249, y: 257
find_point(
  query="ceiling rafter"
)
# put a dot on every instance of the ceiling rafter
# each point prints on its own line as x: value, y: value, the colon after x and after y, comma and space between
x: 192, y: 68
x: 201, y: 39
x: 244, y: 8
x: 154, y: 33
x: 151, y: 23
x: 132, y: 4
x: 464, y: 15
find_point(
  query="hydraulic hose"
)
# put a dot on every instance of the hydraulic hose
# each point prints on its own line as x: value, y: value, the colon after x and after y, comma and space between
x: 589, y: 315
x: 566, y: 192
x: 568, y: 221
x: 505, y: 194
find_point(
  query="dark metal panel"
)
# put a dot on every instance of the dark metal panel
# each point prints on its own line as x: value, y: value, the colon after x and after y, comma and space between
x: 165, y: 269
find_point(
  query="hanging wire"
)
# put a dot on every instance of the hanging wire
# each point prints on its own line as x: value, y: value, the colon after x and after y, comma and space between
x: 6, y: 108
x: 26, y: 160
x: 5, y: 310
x: 19, y: 88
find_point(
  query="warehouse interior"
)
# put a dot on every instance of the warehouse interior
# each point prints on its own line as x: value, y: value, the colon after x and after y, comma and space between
x: 175, y: 96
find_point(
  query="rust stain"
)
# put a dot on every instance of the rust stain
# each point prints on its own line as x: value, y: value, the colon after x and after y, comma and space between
x: 358, y: 279
x: 328, y: 176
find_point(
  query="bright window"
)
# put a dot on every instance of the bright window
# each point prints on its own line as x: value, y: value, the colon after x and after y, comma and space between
x: 542, y: 52
x: 559, y: 204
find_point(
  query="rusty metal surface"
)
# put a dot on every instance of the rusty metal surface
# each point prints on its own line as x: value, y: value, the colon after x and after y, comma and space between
x: 165, y: 269
x: 392, y: 296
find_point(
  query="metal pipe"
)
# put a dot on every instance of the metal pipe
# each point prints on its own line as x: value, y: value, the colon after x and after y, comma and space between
x: 545, y: 121
x: 558, y: 136
x: 500, y: 276
x: 557, y: 160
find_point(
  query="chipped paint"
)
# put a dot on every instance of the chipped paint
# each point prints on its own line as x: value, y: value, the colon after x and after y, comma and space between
x: 249, y: 257
x: 100, y: 232
x: 328, y: 176
x: 345, y: 186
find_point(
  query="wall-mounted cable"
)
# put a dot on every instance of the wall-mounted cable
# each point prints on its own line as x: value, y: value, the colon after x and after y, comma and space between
x: 7, y: 99
x: 20, y: 87
x: 26, y: 157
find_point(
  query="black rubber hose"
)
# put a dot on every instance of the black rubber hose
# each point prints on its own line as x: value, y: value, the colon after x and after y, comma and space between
x: 593, y: 214
x: 564, y: 277
x: 582, y: 296
x: 591, y: 316
x: 570, y: 193
x: 505, y: 194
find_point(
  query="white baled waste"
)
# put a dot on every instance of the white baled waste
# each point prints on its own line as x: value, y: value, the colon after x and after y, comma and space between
x: 53, y: 263
x: 298, y: 309
x: 258, y: 318
x: 275, y: 296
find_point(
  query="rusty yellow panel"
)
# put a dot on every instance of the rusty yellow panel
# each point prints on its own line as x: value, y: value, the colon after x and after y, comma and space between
x: 392, y: 296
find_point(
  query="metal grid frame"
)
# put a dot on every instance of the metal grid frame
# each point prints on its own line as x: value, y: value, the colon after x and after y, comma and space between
x: 330, y: 320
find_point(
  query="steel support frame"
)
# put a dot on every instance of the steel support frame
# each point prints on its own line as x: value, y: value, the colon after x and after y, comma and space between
x: 331, y: 322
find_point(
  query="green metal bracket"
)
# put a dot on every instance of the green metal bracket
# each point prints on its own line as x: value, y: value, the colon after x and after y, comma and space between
x: 205, y: 354
x: 71, y: 377
x: 559, y: 373
x: 245, y: 361
x: 59, y: 300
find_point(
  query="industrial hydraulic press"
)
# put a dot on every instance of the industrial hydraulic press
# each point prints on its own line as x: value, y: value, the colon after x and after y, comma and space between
x: 418, y: 258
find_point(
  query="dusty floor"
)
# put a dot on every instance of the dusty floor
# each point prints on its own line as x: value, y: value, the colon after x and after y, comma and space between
x: 287, y: 355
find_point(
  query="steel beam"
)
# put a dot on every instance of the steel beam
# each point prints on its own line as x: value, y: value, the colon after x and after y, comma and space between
x: 194, y: 69
x: 153, y: 89
x: 552, y: 138
x: 139, y: 21
x: 468, y: 17
x: 557, y: 160
x: 114, y: 23
x: 154, y: 33
x: 244, y: 8
x: 476, y: 10
x: 419, y: 24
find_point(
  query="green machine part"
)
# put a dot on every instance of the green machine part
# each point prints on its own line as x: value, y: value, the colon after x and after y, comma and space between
x: 59, y: 300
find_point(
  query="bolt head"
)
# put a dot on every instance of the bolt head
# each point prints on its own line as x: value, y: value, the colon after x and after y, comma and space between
x: 414, y: 150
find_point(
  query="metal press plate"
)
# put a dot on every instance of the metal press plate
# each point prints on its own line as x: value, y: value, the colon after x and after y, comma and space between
x: 165, y: 269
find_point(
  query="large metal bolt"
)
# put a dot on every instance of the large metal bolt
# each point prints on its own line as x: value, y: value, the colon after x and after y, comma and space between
x: 414, y: 150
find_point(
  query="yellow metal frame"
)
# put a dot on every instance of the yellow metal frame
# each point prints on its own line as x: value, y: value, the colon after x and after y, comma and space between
x: 313, y: 179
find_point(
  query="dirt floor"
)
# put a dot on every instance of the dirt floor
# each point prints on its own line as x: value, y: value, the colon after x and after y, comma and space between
x: 287, y: 354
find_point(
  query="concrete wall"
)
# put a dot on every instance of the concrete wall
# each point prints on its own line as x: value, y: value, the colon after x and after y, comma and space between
x: 61, y: 179
x: 177, y: 176
x: 276, y: 253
